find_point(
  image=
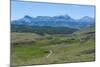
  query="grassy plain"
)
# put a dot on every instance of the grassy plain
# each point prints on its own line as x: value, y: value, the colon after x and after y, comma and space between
x: 34, y: 49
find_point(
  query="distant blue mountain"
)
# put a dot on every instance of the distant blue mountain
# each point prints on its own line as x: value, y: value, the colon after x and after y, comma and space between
x: 56, y: 21
x: 86, y: 22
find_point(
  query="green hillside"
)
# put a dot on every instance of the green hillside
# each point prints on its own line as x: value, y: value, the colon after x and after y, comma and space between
x: 33, y: 49
x: 42, y: 30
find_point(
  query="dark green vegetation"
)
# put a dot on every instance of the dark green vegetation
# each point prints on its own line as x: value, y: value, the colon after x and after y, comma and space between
x: 42, y: 29
x: 32, y: 49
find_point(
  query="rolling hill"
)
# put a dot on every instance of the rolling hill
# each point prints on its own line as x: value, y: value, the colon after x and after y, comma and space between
x: 52, y: 49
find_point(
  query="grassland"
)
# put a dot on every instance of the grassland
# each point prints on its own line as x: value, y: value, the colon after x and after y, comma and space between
x: 34, y: 49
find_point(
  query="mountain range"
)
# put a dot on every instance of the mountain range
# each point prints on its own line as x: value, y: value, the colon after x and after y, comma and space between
x: 55, y: 21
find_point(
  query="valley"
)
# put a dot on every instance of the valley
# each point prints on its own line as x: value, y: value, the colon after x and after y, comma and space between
x: 35, y: 49
x: 51, y: 33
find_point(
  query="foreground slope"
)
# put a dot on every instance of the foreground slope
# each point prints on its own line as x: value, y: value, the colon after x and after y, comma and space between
x: 51, y: 49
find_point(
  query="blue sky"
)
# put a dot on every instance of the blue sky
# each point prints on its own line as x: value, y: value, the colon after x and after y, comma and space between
x: 33, y: 9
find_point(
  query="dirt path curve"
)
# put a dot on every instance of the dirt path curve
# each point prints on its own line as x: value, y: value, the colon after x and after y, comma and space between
x: 50, y: 53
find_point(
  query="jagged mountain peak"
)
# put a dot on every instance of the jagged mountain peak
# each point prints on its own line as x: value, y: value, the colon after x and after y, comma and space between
x: 27, y: 16
x: 55, y: 21
x: 87, y: 17
x: 62, y: 17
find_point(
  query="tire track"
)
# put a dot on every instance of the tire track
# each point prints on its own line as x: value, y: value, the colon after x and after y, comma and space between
x: 50, y: 53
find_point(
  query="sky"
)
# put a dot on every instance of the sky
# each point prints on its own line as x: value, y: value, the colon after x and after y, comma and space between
x: 33, y: 9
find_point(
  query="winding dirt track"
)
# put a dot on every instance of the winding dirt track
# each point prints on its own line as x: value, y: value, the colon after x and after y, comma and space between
x: 50, y: 53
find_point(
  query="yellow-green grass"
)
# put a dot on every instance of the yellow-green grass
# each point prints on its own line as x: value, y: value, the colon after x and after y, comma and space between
x: 64, y: 49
